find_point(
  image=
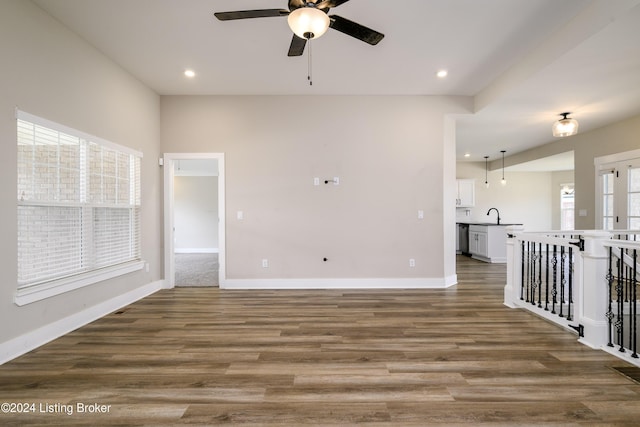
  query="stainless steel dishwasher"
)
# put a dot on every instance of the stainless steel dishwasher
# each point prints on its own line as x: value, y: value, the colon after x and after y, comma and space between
x: 463, y: 238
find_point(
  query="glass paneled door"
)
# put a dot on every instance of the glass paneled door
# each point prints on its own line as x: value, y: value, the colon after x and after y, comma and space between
x: 633, y: 196
x: 619, y: 192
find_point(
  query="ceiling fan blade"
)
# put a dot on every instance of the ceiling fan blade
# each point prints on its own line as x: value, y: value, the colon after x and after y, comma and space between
x: 297, y: 46
x: 247, y: 14
x: 356, y: 30
x: 330, y: 3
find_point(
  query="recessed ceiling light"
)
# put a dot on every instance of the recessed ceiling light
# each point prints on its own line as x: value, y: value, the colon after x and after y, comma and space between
x: 442, y: 74
x: 467, y: 155
x: 190, y: 73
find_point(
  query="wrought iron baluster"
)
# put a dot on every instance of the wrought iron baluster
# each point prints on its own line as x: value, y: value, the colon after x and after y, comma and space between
x: 539, y: 282
x: 609, y: 313
x: 633, y: 308
x: 563, y: 258
x: 554, y: 289
x: 522, y: 271
x: 627, y: 283
x: 619, y: 290
x: 570, y: 284
x: 533, y: 273
x: 546, y: 285
x: 528, y: 271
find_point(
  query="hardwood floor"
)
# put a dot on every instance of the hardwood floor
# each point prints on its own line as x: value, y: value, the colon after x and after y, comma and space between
x: 202, y: 356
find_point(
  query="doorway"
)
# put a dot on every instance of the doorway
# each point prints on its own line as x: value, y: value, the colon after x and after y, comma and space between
x: 194, y: 219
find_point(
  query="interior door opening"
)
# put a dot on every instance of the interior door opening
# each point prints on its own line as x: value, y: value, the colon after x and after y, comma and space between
x: 194, y: 219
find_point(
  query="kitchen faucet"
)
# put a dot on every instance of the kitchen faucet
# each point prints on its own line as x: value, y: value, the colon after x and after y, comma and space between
x: 497, y: 211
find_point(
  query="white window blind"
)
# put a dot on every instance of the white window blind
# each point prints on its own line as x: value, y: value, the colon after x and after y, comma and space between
x: 78, y: 202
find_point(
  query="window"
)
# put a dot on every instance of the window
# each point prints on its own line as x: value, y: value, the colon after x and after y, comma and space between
x: 78, y: 205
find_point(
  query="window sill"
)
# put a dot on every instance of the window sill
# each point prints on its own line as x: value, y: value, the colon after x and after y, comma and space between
x: 47, y: 290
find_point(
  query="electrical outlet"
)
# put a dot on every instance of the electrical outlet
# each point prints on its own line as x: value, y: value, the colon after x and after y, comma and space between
x: 412, y: 262
x: 265, y: 263
x: 240, y: 215
x: 420, y: 214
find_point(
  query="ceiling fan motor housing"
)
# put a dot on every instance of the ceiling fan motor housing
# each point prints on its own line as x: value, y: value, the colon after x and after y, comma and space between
x: 297, y: 4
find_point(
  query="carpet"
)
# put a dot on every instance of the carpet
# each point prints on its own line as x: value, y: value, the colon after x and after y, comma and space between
x: 196, y: 270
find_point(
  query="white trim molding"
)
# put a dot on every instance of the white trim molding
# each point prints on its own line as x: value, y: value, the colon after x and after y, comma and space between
x: 22, y: 344
x: 35, y: 293
x: 197, y: 250
x: 399, y: 283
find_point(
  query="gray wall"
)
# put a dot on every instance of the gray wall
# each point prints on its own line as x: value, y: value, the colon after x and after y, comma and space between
x: 394, y: 156
x: 196, y: 213
x: 48, y: 71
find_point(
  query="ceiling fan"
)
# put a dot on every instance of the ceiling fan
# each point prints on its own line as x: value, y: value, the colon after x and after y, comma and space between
x: 309, y: 20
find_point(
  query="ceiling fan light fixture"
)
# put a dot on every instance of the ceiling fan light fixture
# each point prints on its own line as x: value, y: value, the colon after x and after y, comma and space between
x: 308, y: 22
x: 565, y: 126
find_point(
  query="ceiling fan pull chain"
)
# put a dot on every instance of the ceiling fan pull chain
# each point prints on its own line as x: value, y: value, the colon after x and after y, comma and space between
x: 309, y: 65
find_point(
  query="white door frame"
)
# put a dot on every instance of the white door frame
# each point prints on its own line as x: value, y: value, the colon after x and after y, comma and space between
x: 170, y: 160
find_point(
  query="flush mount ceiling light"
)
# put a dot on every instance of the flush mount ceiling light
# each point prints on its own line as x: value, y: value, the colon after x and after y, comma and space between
x: 189, y: 73
x: 308, y: 22
x: 565, y: 126
x: 442, y: 74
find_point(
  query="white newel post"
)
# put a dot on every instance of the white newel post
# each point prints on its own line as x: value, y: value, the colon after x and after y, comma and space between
x: 593, y: 301
x: 514, y: 266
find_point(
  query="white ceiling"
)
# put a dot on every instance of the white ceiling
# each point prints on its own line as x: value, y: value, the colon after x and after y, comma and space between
x: 524, y: 61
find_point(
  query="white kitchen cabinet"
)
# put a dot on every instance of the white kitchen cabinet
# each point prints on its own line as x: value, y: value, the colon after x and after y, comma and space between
x: 478, y: 243
x: 466, y: 195
x: 488, y: 243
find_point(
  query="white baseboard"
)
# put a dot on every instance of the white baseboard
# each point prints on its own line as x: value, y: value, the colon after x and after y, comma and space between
x: 196, y: 250
x: 399, y: 283
x: 24, y: 343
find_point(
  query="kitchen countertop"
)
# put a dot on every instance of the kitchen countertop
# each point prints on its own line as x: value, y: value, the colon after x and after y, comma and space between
x: 486, y: 223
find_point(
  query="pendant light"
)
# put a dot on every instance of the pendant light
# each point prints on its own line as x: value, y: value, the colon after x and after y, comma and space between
x: 565, y: 126
x: 486, y: 171
x: 503, y: 181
